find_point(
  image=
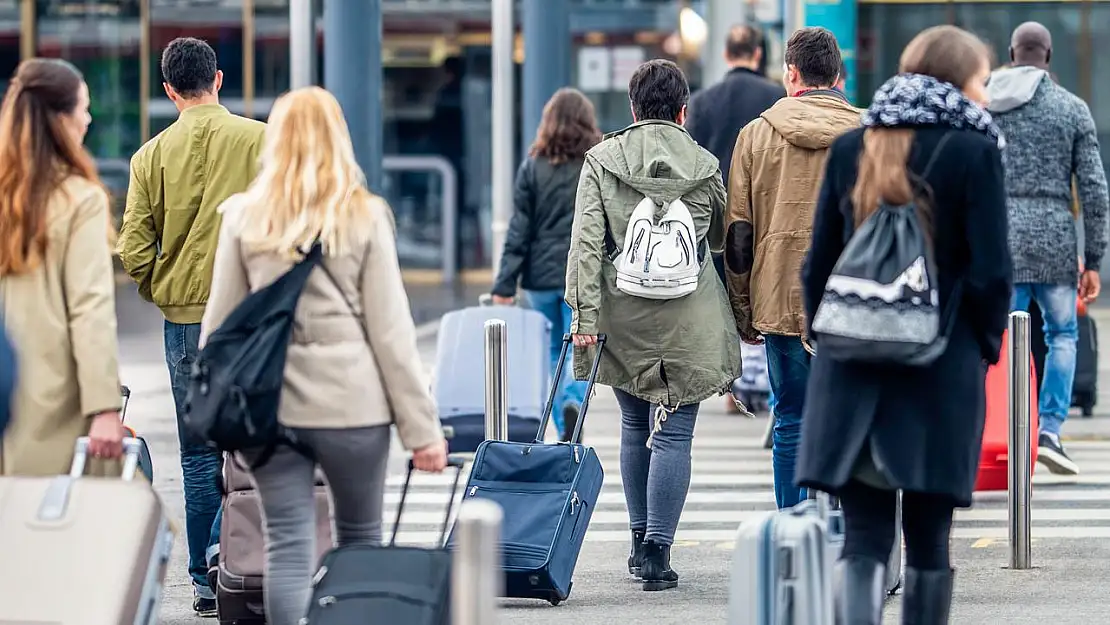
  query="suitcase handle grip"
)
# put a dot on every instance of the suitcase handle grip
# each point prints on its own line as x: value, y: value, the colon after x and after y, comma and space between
x: 452, y: 461
x: 132, y: 447
x: 576, y: 437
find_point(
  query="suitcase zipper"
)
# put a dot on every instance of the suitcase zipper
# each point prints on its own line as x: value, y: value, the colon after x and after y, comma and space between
x: 574, y: 501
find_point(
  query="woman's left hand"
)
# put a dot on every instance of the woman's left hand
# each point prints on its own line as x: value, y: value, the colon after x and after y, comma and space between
x: 584, y: 340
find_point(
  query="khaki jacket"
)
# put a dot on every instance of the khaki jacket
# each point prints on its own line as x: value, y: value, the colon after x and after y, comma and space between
x: 168, y: 239
x: 333, y: 379
x: 61, y: 318
x: 777, y: 170
x: 676, y: 351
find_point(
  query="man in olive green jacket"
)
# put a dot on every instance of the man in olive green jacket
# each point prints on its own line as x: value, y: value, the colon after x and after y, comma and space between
x: 663, y: 356
x: 167, y: 245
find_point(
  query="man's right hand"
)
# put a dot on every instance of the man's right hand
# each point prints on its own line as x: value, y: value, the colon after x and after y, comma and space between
x: 755, y: 340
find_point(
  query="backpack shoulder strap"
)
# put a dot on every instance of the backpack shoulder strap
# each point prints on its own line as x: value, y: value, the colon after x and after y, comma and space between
x: 936, y: 153
x: 350, y: 305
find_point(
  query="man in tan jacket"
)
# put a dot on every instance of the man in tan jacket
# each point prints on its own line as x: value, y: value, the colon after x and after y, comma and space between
x: 775, y: 176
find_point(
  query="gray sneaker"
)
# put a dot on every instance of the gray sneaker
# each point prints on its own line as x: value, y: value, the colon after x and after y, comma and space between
x: 1050, y: 453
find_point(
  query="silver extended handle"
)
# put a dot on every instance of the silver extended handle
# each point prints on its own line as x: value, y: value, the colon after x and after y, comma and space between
x: 132, y: 447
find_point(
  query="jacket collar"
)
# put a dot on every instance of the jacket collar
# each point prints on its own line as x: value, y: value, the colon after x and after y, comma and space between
x: 645, y: 122
x: 205, y: 110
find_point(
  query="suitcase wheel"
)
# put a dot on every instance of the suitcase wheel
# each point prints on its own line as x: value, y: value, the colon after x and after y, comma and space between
x: 554, y: 600
x: 1088, y: 411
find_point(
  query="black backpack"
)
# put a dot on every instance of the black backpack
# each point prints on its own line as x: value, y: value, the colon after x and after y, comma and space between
x: 881, y: 303
x: 236, y: 381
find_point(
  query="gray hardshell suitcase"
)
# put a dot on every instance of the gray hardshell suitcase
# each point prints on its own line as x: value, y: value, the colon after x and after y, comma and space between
x: 460, y: 373
x: 782, y: 567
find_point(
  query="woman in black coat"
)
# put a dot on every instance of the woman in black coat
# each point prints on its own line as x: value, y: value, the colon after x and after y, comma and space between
x: 871, y: 430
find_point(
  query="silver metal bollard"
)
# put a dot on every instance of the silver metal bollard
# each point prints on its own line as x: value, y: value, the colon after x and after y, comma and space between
x: 476, y: 578
x: 497, y: 390
x: 1018, y: 458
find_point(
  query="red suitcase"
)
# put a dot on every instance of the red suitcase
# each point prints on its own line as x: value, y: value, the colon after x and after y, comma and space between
x: 993, y: 459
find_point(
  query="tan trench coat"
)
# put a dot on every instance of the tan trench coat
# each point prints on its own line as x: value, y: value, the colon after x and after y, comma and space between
x: 61, y: 318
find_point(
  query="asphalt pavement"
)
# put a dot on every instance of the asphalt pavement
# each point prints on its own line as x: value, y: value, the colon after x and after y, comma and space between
x: 731, y: 483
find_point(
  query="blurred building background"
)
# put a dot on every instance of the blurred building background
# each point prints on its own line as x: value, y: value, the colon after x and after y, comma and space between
x: 436, y: 79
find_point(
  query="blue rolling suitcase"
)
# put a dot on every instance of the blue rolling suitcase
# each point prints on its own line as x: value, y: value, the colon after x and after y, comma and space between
x: 548, y: 493
x: 460, y: 373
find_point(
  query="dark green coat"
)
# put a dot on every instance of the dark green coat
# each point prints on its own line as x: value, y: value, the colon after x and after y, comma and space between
x: 679, y: 351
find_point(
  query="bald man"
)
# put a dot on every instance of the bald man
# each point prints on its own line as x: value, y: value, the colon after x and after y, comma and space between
x: 1050, y: 140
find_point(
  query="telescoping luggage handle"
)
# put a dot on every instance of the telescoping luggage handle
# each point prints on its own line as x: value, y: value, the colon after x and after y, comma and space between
x: 547, y: 409
x: 56, y: 499
x: 452, y: 461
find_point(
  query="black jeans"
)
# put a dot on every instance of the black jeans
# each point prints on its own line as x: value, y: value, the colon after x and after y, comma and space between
x: 869, y: 525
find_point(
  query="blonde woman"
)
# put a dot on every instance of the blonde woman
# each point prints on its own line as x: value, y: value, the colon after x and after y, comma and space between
x: 344, y: 384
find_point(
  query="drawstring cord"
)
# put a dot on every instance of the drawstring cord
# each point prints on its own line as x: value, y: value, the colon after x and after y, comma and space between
x: 661, y: 414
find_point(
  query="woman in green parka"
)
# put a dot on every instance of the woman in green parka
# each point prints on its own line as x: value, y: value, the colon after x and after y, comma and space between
x: 662, y: 356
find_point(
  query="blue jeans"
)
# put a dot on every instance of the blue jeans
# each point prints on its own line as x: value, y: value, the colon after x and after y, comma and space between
x: 1061, y: 334
x: 655, y: 479
x: 788, y: 373
x: 571, y: 391
x: 200, y: 464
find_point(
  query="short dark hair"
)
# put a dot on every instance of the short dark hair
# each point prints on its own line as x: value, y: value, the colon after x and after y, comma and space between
x: 815, y: 54
x: 189, y: 66
x: 843, y: 70
x: 743, y: 41
x: 658, y: 90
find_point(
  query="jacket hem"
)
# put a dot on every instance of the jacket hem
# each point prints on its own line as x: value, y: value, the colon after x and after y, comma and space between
x: 1033, y: 276
x: 183, y: 315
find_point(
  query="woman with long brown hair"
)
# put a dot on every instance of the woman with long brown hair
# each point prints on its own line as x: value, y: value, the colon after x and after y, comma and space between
x: 538, y: 241
x: 56, y: 279
x: 873, y: 430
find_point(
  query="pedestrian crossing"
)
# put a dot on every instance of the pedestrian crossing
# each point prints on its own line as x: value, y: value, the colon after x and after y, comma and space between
x: 731, y: 483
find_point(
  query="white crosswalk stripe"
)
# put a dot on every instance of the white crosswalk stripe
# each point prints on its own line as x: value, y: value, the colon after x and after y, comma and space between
x: 731, y: 483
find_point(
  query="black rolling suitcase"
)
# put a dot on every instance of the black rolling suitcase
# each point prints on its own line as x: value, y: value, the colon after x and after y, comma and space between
x: 386, y: 584
x: 1084, y: 389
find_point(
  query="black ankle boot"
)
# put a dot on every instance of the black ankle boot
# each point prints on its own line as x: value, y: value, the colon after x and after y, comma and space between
x: 636, y: 556
x: 928, y: 597
x: 859, y: 589
x: 656, y: 570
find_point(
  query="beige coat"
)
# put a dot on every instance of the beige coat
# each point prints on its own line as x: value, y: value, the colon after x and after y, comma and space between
x: 61, y: 318
x: 776, y: 173
x: 333, y: 379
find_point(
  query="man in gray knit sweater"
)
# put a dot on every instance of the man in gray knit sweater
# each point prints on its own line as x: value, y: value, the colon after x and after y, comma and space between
x: 1050, y: 140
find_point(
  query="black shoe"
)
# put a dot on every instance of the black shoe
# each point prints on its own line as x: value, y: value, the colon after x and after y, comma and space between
x: 636, y: 556
x: 859, y: 591
x: 570, y: 421
x: 205, y: 608
x: 656, y: 568
x: 1051, y: 454
x: 928, y: 597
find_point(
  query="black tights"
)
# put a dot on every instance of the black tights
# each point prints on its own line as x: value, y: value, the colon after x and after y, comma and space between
x: 869, y: 525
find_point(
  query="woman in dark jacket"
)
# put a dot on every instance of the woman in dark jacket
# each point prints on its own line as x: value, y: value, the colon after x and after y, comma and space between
x: 871, y: 430
x: 538, y: 240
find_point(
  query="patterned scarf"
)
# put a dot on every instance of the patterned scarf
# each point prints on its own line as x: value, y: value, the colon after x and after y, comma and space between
x: 919, y: 100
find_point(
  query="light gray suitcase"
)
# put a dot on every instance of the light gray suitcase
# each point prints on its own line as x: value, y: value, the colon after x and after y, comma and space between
x: 782, y: 567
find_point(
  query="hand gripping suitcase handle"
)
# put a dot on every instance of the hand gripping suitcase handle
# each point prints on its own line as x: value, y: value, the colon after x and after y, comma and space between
x: 550, y: 406
x: 132, y: 447
x: 452, y: 461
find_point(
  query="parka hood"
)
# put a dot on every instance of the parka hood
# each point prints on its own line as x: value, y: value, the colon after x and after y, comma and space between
x: 812, y: 121
x: 657, y: 158
x: 1013, y: 87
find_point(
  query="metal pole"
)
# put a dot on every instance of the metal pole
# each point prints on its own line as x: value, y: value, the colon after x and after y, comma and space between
x: 503, y: 116
x: 1020, y: 489
x: 545, y: 25
x: 353, y: 73
x: 476, y: 578
x: 497, y: 391
x: 302, y: 44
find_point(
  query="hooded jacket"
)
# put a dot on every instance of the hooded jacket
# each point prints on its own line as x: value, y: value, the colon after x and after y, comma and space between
x: 1050, y: 142
x: 677, y: 351
x: 777, y: 169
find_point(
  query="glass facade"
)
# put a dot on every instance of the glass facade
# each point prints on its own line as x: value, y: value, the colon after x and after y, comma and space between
x: 886, y: 28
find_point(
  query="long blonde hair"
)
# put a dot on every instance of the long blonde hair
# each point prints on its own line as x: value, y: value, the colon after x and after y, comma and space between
x: 310, y: 185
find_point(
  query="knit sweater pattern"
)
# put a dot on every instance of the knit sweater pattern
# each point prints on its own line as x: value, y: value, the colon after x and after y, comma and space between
x: 1050, y: 139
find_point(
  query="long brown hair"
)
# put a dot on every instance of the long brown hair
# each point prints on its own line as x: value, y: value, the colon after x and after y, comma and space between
x: 568, y: 128
x: 946, y: 53
x: 37, y: 153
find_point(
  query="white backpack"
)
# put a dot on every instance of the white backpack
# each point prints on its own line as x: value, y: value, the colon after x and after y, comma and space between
x: 659, y: 259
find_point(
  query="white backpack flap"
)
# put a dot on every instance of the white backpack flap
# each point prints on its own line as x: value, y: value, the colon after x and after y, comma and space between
x: 659, y: 259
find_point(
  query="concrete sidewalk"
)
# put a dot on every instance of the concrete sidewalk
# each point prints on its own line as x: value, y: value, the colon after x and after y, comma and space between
x: 1065, y: 588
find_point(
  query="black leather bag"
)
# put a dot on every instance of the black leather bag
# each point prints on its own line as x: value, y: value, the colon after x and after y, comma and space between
x: 236, y: 381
